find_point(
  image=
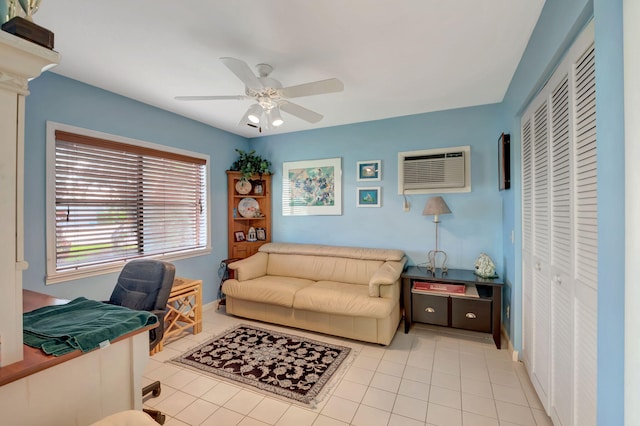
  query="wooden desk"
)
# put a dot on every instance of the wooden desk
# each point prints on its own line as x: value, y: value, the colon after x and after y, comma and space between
x: 184, y: 309
x: 479, y: 314
x: 75, y: 388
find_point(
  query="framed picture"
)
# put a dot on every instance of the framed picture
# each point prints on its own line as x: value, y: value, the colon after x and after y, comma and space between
x: 312, y: 187
x: 369, y: 197
x: 369, y: 170
x: 261, y: 234
x: 504, y: 162
x: 239, y: 235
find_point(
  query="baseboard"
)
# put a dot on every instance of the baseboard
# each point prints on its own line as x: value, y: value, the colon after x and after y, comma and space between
x: 515, y: 355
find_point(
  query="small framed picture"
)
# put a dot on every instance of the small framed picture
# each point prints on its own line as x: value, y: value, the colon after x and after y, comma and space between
x: 261, y: 234
x: 239, y: 236
x: 369, y: 170
x: 369, y: 197
x: 504, y: 162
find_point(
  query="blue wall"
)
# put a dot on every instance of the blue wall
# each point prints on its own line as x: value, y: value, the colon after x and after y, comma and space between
x: 475, y: 225
x: 56, y: 98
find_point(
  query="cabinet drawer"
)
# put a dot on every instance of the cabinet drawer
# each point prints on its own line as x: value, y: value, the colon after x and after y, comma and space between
x: 430, y: 309
x: 471, y: 314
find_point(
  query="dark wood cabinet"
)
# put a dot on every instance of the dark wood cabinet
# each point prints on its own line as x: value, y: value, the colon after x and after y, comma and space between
x: 483, y: 313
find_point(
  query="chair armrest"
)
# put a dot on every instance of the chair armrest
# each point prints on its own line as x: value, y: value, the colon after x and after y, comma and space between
x: 156, y: 334
x: 389, y: 273
x: 252, y: 267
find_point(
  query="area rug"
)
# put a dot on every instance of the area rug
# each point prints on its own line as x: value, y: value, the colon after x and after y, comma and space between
x: 293, y: 367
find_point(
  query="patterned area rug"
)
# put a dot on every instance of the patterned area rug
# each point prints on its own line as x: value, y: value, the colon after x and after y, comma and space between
x: 289, y: 366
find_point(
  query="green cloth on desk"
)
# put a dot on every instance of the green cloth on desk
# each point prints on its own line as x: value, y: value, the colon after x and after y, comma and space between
x: 80, y: 324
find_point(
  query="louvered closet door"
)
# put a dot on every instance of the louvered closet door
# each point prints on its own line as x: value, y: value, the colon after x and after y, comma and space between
x: 559, y: 210
x: 541, y: 273
x: 562, y: 286
x: 586, y: 229
x: 527, y: 244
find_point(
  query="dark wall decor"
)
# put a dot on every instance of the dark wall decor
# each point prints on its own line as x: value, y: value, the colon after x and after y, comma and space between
x: 504, y: 162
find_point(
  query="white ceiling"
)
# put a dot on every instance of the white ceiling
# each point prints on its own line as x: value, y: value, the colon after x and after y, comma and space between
x: 395, y: 57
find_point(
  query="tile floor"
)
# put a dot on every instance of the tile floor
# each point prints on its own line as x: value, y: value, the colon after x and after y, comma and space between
x: 431, y: 376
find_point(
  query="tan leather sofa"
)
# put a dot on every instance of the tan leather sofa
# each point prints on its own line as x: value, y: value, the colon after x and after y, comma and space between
x: 344, y: 291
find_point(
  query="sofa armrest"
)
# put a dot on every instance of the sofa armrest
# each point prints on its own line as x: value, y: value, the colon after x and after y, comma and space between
x: 252, y: 267
x: 389, y: 273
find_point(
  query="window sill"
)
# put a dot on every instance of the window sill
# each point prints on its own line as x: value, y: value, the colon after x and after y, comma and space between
x: 60, y: 277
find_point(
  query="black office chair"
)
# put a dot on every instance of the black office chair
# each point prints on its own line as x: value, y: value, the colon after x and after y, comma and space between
x: 145, y: 285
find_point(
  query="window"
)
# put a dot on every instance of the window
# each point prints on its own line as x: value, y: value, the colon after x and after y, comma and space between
x: 115, y: 199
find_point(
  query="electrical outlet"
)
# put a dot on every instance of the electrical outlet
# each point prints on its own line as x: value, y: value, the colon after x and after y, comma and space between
x: 513, y: 237
x: 508, y: 312
x: 406, y: 206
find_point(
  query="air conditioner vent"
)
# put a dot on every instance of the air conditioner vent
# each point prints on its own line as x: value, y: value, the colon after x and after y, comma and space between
x: 444, y: 170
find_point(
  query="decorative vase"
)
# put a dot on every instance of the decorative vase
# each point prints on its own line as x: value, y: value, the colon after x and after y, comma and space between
x: 30, y: 7
x: 7, y: 10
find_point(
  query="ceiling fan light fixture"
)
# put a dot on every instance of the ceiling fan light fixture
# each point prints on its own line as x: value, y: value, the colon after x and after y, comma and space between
x: 254, y: 113
x: 274, y: 117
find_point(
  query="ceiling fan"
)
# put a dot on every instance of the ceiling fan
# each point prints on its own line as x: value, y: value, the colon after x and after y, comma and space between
x: 270, y: 96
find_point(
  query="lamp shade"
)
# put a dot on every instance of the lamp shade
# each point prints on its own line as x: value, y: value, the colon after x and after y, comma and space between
x: 254, y: 113
x: 435, y: 206
x: 274, y: 116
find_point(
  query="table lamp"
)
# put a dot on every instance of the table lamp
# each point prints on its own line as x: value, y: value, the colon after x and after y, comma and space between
x: 435, y: 207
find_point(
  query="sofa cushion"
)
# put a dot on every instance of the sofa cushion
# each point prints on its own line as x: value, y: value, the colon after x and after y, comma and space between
x: 322, y: 268
x: 334, y: 251
x: 343, y: 299
x: 269, y: 289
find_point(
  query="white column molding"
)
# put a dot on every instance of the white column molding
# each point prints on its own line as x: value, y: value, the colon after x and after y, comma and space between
x: 20, y: 61
x: 631, y: 42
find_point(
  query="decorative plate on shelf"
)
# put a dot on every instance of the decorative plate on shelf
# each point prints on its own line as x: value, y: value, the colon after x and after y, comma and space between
x: 248, y: 207
x: 243, y: 187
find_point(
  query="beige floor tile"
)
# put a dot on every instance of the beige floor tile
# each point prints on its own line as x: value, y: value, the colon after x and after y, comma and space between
x: 269, y: 410
x: 478, y: 420
x: 370, y: 416
x: 439, y: 415
x: 350, y: 390
x: 415, y: 390
x: 478, y: 405
x: 340, y: 409
x: 446, y: 397
x: 379, y: 398
x: 197, y: 412
x: 514, y: 413
x: 223, y: 416
x: 296, y: 416
x: 410, y: 407
x: 243, y: 402
x: 385, y: 382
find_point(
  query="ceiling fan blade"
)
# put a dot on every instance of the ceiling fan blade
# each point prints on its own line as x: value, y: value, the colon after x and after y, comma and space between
x: 243, y: 72
x: 330, y: 85
x: 212, y: 98
x: 300, y: 112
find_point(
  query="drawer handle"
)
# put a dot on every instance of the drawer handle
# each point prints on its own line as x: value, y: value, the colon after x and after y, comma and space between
x: 430, y: 310
x: 471, y: 315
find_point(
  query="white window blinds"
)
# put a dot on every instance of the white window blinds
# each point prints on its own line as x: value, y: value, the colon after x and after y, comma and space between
x: 115, y: 201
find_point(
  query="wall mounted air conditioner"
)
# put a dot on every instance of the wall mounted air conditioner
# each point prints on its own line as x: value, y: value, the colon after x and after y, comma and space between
x: 435, y: 170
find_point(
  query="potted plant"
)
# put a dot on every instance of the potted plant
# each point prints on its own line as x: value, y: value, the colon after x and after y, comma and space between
x: 250, y: 164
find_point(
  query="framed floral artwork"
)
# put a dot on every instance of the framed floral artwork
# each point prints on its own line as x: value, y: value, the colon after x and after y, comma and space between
x: 369, y: 170
x: 312, y: 187
x: 368, y: 197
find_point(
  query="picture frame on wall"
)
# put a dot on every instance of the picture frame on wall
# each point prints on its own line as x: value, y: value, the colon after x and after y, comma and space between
x: 504, y: 162
x: 368, y: 196
x: 312, y: 187
x: 369, y: 170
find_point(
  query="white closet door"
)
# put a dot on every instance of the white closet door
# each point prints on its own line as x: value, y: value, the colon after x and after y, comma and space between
x: 527, y: 244
x: 562, y: 287
x: 586, y: 254
x: 560, y: 238
x: 541, y: 273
